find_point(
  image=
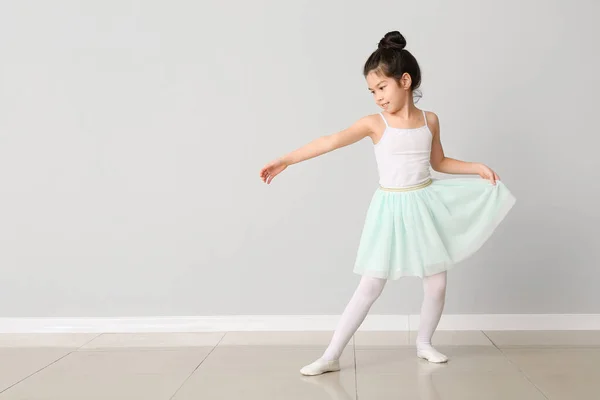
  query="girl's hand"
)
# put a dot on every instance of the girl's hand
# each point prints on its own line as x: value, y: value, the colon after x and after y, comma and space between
x: 271, y: 170
x: 486, y: 173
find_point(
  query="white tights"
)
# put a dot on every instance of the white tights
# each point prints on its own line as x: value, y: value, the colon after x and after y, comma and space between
x: 369, y: 289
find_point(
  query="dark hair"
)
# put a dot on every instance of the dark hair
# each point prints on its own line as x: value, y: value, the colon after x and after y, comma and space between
x: 393, y: 60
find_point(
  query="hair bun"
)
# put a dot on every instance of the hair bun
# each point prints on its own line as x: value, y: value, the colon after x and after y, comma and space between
x: 392, y: 40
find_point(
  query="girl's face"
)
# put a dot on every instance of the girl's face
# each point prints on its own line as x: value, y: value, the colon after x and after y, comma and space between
x: 389, y: 94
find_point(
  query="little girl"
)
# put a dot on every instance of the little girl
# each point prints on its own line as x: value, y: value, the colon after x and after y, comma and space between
x: 415, y: 225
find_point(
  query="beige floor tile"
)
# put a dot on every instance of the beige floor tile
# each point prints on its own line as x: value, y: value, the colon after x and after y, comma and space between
x: 316, y: 339
x: 381, y: 339
x: 62, y: 340
x: 111, y: 375
x: 461, y: 359
x: 266, y: 359
x: 560, y: 372
x: 256, y: 386
x: 267, y: 372
x: 558, y: 360
x: 382, y: 361
x: 446, y: 385
x: 153, y: 340
x: 568, y: 386
x: 472, y: 373
x: 265, y: 365
x: 544, y: 338
x: 19, y: 363
x: 485, y: 385
x: 456, y: 338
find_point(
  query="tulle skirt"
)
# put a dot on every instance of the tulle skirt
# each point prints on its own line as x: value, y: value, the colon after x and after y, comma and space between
x: 426, y: 230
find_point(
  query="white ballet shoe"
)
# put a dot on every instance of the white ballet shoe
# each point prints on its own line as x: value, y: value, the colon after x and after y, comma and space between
x: 427, y: 352
x: 320, y: 367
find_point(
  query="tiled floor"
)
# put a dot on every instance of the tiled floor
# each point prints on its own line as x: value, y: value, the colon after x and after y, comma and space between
x: 526, y: 365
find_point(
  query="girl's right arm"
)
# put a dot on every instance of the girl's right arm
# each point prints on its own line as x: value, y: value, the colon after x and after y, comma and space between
x: 325, y: 144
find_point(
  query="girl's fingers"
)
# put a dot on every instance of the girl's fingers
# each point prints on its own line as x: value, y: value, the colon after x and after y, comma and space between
x: 264, y: 174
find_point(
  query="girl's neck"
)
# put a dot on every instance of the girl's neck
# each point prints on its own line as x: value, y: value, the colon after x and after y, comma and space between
x: 408, y: 112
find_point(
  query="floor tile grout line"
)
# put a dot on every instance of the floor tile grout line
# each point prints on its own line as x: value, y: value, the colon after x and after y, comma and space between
x: 198, y: 366
x: 90, y: 341
x: 32, y: 374
x: 224, y: 334
x: 53, y: 362
x: 490, y: 339
x: 517, y: 366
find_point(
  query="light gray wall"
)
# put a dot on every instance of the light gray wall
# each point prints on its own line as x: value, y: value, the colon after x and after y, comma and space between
x: 132, y: 134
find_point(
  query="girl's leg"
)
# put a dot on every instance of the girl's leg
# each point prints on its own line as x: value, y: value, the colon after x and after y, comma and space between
x: 355, y: 313
x: 366, y: 293
x: 434, y: 289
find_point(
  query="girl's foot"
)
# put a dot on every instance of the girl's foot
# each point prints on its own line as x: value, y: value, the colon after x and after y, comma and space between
x: 320, y: 367
x: 427, y: 352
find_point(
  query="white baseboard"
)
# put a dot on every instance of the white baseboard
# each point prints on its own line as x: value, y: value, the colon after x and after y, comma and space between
x: 297, y: 323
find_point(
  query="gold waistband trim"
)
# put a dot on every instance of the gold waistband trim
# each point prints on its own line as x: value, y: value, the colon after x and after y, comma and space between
x: 408, y: 188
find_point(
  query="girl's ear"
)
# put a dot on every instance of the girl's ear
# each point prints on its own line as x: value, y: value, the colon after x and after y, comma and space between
x: 405, y: 81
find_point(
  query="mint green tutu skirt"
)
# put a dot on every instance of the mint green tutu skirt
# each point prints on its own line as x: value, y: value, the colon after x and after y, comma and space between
x: 427, y: 230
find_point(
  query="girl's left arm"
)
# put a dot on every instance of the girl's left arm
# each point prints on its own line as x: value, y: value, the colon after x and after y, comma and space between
x: 441, y: 163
